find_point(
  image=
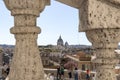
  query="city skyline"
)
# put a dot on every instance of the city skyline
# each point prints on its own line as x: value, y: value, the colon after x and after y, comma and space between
x: 56, y: 19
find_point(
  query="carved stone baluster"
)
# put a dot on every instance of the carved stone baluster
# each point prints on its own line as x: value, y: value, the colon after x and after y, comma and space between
x: 100, y: 19
x: 105, y: 41
x: 26, y: 63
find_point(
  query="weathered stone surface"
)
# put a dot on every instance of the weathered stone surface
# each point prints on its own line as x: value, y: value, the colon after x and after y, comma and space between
x: 104, y: 38
x: 105, y: 41
x: 95, y: 14
x: 26, y: 63
x: 24, y: 6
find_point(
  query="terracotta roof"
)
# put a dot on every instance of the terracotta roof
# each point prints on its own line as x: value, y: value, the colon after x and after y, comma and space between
x: 81, y: 54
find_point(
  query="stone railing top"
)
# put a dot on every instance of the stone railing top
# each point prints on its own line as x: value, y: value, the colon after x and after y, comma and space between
x: 77, y: 3
x: 72, y: 3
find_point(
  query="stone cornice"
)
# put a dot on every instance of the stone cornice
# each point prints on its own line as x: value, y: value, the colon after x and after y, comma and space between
x: 26, y: 5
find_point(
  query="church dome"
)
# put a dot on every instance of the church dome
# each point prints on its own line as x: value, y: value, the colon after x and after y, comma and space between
x: 66, y: 44
x: 60, y: 41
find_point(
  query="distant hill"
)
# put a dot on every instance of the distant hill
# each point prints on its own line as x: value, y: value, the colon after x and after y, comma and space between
x: 6, y: 46
x: 72, y: 46
x: 80, y: 46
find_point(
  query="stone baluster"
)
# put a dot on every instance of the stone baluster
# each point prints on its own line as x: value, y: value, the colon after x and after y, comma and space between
x: 26, y: 63
x: 100, y: 19
x: 1, y: 61
x: 104, y: 42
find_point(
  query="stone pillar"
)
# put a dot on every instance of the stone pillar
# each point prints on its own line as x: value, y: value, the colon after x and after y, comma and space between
x: 100, y: 19
x: 105, y: 41
x: 26, y: 63
x: 101, y: 22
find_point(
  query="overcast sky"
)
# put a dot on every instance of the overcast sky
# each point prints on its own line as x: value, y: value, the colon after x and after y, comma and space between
x: 56, y: 19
